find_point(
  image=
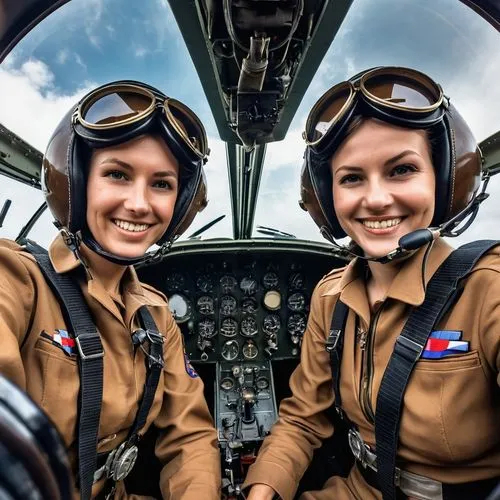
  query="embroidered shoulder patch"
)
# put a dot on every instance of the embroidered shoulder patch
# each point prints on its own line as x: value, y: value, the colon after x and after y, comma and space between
x: 189, y: 367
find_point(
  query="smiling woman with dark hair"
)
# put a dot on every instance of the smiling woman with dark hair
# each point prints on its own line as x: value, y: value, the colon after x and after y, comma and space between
x: 403, y: 343
x: 99, y: 351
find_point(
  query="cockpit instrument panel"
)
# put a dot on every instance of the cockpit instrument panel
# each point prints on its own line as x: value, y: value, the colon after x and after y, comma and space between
x: 239, y: 305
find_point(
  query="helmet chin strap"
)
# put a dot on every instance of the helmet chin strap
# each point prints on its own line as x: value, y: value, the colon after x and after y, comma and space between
x: 90, y: 241
x: 420, y: 237
x: 406, y: 245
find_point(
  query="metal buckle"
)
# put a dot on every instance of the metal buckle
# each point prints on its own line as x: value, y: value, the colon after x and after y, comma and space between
x: 80, y: 349
x: 154, y: 337
x: 121, y: 461
x: 357, y: 446
x: 407, y: 348
x: 332, y: 340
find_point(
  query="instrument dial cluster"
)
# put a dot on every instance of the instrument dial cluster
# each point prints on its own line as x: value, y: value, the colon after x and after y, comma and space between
x: 240, y: 306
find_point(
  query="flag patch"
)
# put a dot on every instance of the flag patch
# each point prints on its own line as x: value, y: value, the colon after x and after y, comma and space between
x: 442, y: 343
x: 189, y: 367
x: 61, y: 339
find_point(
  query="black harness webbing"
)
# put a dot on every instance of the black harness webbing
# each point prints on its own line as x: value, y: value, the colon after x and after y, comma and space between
x: 154, y: 361
x: 442, y: 291
x: 334, y: 346
x: 90, y: 363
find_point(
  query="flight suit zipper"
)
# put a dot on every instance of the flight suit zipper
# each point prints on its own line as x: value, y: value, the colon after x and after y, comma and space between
x: 367, y: 346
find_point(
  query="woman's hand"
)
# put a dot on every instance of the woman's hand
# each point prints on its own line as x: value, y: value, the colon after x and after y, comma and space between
x: 261, y: 492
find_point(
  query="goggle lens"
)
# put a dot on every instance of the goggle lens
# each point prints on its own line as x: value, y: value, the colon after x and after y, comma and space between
x: 401, y: 92
x: 189, y: 126
x: 116, y: 107
x: 328, y: 113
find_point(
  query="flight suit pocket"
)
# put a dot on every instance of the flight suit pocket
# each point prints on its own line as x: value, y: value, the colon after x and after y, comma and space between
x: 61, y: 383
x: 458, y: 362
x: 446, y: 409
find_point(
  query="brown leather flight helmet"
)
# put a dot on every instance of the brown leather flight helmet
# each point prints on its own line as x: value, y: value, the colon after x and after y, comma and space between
x: 66, y: 161
x: 456, y: 158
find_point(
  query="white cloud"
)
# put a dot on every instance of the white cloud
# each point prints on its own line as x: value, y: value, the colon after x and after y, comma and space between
x: 62, y: 56
x: 29, y: 105
x: 37, y: 72
x: 140, y: 52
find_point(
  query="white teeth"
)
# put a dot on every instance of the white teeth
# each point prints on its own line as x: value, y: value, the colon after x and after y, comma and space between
x: 383, y: 224
x: 130, y: 226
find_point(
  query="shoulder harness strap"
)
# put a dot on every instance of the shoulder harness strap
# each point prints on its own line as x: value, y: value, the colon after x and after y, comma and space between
x: 334, y: 346
x: 90, y: 364
x: 442, y: 290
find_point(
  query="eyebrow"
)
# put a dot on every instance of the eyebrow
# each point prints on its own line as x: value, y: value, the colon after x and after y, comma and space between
x: 390, y: 161
x: 127, y: 166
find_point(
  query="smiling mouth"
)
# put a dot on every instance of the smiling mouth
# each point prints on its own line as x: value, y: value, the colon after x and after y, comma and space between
x: 381, y: 224
x: 130, y: 226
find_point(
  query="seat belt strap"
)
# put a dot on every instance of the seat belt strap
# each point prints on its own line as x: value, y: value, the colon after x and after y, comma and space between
x: 334, y: 347
x: 442, y: 291
x: 154, y: 364
x: 90, y: 364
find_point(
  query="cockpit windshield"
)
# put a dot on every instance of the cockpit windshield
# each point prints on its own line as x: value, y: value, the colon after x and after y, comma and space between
x: 88, y: 42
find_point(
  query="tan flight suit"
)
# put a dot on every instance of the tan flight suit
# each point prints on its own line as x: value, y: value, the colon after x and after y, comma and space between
x: 188, y: 441
x: 450, y: 426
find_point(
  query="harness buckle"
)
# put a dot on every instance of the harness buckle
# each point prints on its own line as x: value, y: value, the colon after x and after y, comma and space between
x: 89, y: 344
x: 121, y: 461
x: 332, y: 340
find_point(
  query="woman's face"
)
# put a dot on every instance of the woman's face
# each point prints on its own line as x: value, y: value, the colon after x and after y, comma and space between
x: 131, y: 194
x: 383, y: 185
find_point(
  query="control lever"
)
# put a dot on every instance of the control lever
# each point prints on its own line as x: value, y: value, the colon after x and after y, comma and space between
x: 248, y: 394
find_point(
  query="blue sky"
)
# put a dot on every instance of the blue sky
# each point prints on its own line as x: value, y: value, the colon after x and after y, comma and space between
x: 89, y: 42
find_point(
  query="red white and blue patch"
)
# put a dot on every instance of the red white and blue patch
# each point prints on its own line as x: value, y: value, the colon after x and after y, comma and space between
x: 442, y: 343
x: 61, y: 339
x: 189, y: 367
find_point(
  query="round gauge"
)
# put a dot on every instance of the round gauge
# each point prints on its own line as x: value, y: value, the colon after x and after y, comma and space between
x: 296, y: 302
x: 229, y: 327
x: 296, y: 281
x: 270, y: 280
x: 204, y: 283
x: 271, y: 323
x: 205, y: 305
x: 175, y: 281
x: 296, y: 324
x: 206, y: 328
x: 272, y: 300
x: 230, y: 350
x: 227, y: 283
x: 250, y: 350
x: 180, y: 308
x: 249, y: 305
x: 248, y: 285
x: 227, y: 383
x: 249, y: 327
x: 227, y: 305
x: 262, y: 383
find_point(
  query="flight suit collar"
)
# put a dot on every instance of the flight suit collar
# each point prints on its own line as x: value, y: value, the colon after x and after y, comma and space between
x: 64, y: 260
x: 407, y: 286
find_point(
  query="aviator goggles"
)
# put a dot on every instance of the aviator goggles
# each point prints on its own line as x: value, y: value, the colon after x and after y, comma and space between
x: 118, y: 112
x: 401, y: 96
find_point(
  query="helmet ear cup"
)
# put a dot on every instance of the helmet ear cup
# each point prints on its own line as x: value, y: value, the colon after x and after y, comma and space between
x: 191, y: 199
x: 442, y: 160
x: 78, y: 164
x: 317, y: 193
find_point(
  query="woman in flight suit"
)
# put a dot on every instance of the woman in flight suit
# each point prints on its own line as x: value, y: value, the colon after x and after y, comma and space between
x: 388, y: 155
x: 122, y: 172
